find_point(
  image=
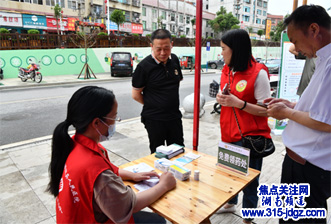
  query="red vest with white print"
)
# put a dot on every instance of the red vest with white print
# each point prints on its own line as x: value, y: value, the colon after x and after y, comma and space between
x: 242, y: 86
x: 84, y: 164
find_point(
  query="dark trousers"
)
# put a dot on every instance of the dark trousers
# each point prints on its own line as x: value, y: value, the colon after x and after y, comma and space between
x: 250, y: 198
x: 318, y: 179
x: 159, y: 132
x: 143, y: 217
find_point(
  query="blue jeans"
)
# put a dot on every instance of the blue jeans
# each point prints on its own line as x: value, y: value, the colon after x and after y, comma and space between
x: 250, y: 198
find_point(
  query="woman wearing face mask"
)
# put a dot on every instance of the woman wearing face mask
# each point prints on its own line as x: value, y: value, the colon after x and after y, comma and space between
x: 87, y: 186
x: 248, y: 83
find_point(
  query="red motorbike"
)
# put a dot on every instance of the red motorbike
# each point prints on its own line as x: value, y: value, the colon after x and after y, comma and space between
x: 32, y: 72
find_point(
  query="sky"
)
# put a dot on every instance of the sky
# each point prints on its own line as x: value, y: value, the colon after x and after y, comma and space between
x: 283, y: 7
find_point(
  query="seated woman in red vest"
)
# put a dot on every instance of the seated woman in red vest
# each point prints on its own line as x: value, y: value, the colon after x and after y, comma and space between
x: 248, y: 83
x: 87, y: 186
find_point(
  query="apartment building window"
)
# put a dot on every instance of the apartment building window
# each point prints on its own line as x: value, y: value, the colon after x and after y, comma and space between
x: 259, y: 3
x: 265, y: 4
x: 265, y: 13
x: 187, y: 31
x: 144, y: 25
x: 51, y: 2
x: 39, y: 2
x: 136, y: 3
x: 154, y: 26
x: 258, y: 21
x: 144, y: 11
x: 247, y: 1
x: 188, y: 20
x: 247, y: 9
x: 245, y: 18
x: 181, y: 18
x: 172, y: 17
x: 263, y: 22
x: 154, y: 13
x: 206, y: 34
x: 259, y: 12
x: 212, y: 35
x: 127, y: 16
x: 164, y: 15
x: 164, y: 26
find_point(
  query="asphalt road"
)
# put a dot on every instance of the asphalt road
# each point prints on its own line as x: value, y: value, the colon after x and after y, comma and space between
x: 32, y: 113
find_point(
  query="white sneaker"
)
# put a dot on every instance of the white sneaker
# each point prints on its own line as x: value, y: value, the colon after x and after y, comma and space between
x: 226, y: 210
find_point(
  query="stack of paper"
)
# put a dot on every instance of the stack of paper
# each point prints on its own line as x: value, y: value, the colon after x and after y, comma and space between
x: 169, y: 151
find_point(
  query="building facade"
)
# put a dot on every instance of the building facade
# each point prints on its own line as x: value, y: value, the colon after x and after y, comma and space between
x: 275, y: 19
x: 176, y: 16
x: 252, y: 14
x: 93, y: 11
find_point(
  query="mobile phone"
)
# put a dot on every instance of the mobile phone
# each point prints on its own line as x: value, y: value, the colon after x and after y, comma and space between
x: 226, y: 90
x: 265, y: 105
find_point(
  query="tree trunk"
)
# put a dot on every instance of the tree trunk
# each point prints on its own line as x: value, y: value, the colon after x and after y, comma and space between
x: 57, y: 29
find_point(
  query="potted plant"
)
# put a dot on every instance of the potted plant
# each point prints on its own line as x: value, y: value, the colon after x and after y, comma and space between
x: 34, y: 38
x: 103, y: 38
x: 5, y: 42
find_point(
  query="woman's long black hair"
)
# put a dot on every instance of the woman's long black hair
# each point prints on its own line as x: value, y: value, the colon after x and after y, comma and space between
x: 240, y: 43
x: 86, y: 104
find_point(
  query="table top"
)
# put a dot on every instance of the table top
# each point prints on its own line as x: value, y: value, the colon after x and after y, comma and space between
x: 194, y: 201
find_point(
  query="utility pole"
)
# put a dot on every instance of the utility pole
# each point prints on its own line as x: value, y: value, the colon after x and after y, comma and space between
x: 237, y: 7
x: 304, y: 2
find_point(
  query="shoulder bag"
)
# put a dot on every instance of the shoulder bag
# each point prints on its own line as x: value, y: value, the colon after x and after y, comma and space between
x: 259, y: 146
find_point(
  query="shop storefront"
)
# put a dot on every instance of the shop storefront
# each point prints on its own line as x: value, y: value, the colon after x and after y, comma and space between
x: 11, y: 21
x: 34, y: 22
x: 52, y: 25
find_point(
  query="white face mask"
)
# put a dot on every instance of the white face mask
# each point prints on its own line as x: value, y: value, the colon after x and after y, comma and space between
x: 111, y: 131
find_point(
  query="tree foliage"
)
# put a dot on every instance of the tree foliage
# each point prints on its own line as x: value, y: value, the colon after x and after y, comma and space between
x: 260, y: 32
x: 117, y: 17
x: 224, y: 21
x: 278, y: 29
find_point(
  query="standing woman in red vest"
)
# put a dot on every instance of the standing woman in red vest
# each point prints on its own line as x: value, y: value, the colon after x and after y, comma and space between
x: 87, y: 186
x: 248, y: 83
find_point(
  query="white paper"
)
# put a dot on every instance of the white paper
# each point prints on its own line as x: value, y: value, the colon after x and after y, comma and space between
x: 141, y: 167
x: 191, y: 155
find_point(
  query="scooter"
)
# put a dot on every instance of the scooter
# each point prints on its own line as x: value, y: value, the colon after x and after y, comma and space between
x: 32, y: 72
x: 213, y: 90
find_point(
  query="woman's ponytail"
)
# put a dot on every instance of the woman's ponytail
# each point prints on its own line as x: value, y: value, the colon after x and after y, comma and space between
x: 62, y: 145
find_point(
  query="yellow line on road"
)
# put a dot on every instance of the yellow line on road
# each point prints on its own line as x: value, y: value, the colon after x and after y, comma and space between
x: 35, y: 99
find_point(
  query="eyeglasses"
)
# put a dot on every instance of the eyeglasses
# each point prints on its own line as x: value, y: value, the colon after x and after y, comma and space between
x: 117, y: 118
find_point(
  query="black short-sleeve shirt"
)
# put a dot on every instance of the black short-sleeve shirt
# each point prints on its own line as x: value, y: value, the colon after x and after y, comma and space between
x: 161, y: 87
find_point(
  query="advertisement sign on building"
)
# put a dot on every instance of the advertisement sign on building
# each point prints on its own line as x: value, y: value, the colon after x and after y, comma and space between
x: 137, y: 28
x: 268, y: 29
x: 10, y: 19
x: 34, y: 21
x: 112, y: 25
x: 51, y: 24
x: 71, y: 24
x: 126, y: 27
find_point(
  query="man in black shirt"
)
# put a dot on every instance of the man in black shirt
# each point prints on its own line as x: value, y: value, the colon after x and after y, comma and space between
x: 155, y: 84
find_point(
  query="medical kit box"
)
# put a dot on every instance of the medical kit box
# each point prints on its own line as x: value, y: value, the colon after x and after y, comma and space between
x: 163, y: 164
x: 180, y: 172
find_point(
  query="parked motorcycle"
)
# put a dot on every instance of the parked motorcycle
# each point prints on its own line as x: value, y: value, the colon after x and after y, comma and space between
x: 32, y: 72
x: 1, y: 74
x: 213, y: 90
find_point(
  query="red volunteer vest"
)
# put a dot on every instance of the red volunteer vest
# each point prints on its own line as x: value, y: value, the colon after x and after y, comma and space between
x: 84, y: 164
x: 242, y: 86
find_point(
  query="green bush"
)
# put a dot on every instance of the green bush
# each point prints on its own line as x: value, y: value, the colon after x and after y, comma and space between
x: 148, y: 35
x: 33, y: 31
x: 135, y: 35
x: 183, y: 36
x: 209, y: 37
x: 102, y: 34
x: 173, y: 36
x: 4, y: 30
